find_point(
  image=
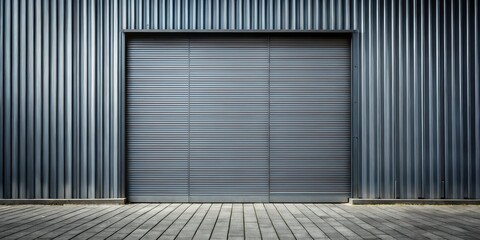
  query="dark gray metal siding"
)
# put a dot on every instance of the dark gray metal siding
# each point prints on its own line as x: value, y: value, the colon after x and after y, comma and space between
x: 59, y: 99
x: 419, y: 125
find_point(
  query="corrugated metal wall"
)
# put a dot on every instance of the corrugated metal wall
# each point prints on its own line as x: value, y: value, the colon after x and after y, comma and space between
x: 59, y: 99
x: 60, y: 64
x: 419, y: 94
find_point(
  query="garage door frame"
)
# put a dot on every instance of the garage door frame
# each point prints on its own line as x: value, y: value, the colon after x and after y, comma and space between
x: 355, y: 154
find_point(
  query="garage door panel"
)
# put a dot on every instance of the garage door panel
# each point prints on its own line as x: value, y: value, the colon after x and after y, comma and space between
x: 310, y: 119
x: 222, y: 73
x: 228, y: 118
x: 157, y: 119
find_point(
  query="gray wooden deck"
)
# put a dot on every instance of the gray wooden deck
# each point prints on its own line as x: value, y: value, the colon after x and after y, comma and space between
x: 239, y: 221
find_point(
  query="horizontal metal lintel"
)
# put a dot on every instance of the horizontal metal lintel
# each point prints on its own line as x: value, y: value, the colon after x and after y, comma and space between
x: 231, y: 31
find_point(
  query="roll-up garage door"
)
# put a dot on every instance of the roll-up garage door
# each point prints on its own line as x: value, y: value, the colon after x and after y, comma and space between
x: 238, y: 118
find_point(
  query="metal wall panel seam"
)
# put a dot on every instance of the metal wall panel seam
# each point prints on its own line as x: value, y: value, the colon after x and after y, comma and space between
x: 448, y: 100
x: 148, y: 14
x: 68, y: 102
x: 394, y: 101
x: 121, y: 118
x: 387, y: 107
x: 445, y: 102
x: 7, y: 94
x: 429, y: 154
x: 83, y: 98
x: 378, y: 103
x: 154, y: 12
x: 477, y: 97
x: 438, y: 116
x: 460, y: 135
x: 75, y: 99
x: 421, y: 111
x: 2, y: 100
x: 453, y: 168
x: 30, y: 119
x: 363, y: 183
x: 38, y: 101
x: 91, y: 101
x: 401, y: 92
x: 99, y: 161
x: 61, y: 102
x: 410, y: 157
x: 106, y: 101
x: 115, y: 124
x: 15, y: 98
x: 22, y: 95
x: 469, y: 101
x: 370, y: 104
x: 331, y: 19
x: 53, y: 143
x: 468, y: 185
x: 412, y: 114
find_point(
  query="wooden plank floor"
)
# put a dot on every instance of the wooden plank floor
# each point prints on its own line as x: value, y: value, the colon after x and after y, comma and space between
x: 239, y: 221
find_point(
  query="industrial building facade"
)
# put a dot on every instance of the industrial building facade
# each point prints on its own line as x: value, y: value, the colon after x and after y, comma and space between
x: 240, y: 101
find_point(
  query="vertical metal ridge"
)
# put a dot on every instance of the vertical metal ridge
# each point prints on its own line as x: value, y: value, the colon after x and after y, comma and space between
x: 99, y: 58
x: 115, y: 124
x: 421, y: 111
x: 61, y: 102
x: 22, y: 101
x: 68, y: 102
x: 445, y: 75
x: 394, y: 101
x: 53, y: 143
x: 105, y: 113
x: 15, y: 79
x: 476, y: 44
x: 2, y: 100
x: 91, y: 100
x: 468, y: 184
x: 30, y: 159
x: 6, y: 82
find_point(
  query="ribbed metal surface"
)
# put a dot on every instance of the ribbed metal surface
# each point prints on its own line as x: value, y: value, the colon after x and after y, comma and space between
x: 237, y: 15
x: 310, y: 119
x: 418, y: 80
x: 250, y: 118
x: 420, y: 109
x: 228, y: 118
x: 158, y: 119
x: 59, y: 106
